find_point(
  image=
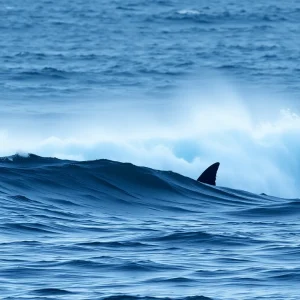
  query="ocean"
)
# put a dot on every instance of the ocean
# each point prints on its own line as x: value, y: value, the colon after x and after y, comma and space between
x: 109, y: 112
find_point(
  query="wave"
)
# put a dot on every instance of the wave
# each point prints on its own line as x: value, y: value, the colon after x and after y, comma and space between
x: 62, y: 187
x: 45, y: 73
x: 126, y: 297
x: 51, y: 292
x: 205, y: 15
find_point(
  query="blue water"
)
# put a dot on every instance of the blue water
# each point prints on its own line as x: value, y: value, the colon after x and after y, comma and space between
x: 103, y: 229
x: 135, y: 99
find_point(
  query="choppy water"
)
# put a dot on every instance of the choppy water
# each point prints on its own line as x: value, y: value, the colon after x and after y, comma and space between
x: 169, y: 85
x: 103, y: 229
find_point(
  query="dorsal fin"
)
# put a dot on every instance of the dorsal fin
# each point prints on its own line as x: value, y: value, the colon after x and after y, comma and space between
x: 210, y: 174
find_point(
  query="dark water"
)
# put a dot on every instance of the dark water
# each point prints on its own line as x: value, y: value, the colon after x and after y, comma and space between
x: 108, y: 230
x: 171, y: 85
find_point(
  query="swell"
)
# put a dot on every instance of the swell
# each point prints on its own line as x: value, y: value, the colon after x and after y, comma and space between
x: 49, y: 183
x: 206, y: 16
x: 126, y: 297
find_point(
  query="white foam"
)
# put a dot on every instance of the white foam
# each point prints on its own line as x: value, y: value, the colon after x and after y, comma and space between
x: 22, y: 154
x: 189, y: 12
x: 257, y: 147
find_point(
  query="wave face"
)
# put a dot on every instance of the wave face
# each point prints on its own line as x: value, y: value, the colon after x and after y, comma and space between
x: 108, y: 230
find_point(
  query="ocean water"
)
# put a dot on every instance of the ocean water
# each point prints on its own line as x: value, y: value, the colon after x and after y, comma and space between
x: 124, y: 104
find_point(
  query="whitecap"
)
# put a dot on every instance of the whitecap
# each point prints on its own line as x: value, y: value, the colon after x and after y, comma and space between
x: 189, y: 12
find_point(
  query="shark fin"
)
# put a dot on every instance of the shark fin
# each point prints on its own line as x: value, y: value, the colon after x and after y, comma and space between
x: 210, y: 174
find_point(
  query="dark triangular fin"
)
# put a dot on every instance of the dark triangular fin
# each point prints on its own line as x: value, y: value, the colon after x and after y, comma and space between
x: 210, y: 174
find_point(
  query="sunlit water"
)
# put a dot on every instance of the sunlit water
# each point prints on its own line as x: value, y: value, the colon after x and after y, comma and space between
x: 162, y: 84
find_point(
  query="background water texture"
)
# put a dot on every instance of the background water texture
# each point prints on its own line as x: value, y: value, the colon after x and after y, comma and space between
x: 170, y: 85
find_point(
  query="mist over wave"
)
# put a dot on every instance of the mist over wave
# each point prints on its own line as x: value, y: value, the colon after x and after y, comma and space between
x: 200, y: 123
